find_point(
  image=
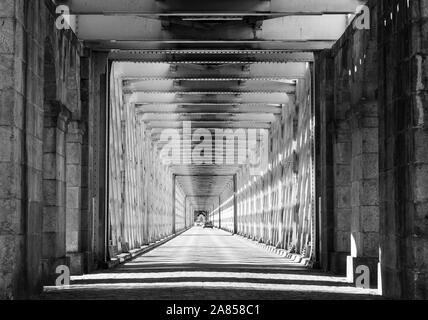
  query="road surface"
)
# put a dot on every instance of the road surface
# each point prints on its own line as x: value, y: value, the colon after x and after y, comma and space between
x: 208, y: 264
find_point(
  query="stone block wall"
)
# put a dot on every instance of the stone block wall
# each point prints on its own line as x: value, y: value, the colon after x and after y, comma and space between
x: 372, y: 111
x: 44, y: 198
x: 14, y: 206
x: 403, y: 140
x: 349, y: 155
x: 371, y: 103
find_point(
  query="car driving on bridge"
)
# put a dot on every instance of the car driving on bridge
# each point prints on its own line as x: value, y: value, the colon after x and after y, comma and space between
x: 208, y: 224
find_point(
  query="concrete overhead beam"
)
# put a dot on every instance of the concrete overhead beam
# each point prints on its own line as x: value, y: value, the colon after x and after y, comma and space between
x: 211, y: 8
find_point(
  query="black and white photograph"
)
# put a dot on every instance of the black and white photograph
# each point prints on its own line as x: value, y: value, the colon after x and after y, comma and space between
x: 213, y: 158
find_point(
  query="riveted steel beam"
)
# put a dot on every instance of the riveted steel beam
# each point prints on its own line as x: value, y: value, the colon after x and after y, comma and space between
x: 210, y: 86
x: 223, y: 98
x: 122, y: 32
x: 193, y: 72
x: 219, y: 8
x: 162, y: 109
x: 210, y: 56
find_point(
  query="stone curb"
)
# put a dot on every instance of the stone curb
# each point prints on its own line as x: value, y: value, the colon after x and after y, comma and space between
x: 125, y: 257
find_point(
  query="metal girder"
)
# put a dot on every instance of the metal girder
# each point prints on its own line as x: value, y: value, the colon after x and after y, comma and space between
x: 157, y: 140
x: 236, y: 151
x: 203, y: 175
x: 191, y: 72
x: 211, y: 8
x: 208, y: 86
x: 156, y: 132
x: 205, y: 169
x: 205, y: 185
x: 193, y: 143
x: 202, y: 195
x: 297, y: 46
x: 208, y: 109
x: 209, y: 56
x: 161, y: 143
x: 212, y: 125
x: 140, y: 29
x: 186, y: 92
x: 207, y: 117
x: 172, y: 98
x: 209, y: 159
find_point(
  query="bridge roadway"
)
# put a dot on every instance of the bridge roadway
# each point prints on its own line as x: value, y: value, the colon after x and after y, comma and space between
x: 207, y: 264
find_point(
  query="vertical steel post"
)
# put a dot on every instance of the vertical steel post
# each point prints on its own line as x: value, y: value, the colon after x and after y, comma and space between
x: 219, y: 212
x: 173, y: 203
x: 235, y: 204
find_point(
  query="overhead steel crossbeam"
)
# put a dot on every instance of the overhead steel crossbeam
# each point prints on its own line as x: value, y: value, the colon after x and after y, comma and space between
x: 211, y: 125
x: 203, y: 186
x: 208, y: 86
x: 162, y: 109
x: 204, y: 170
x: 134, y: 32
x: 193, y: 72
x: 220, y: 8
x: 210, y: 56
x: 161, y: 141
x: 297, y: 46
x: 266, y: 117
x: 224, y: 91
x: 224, y: 98
x: 156, y: 133
x: 202, y: 195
